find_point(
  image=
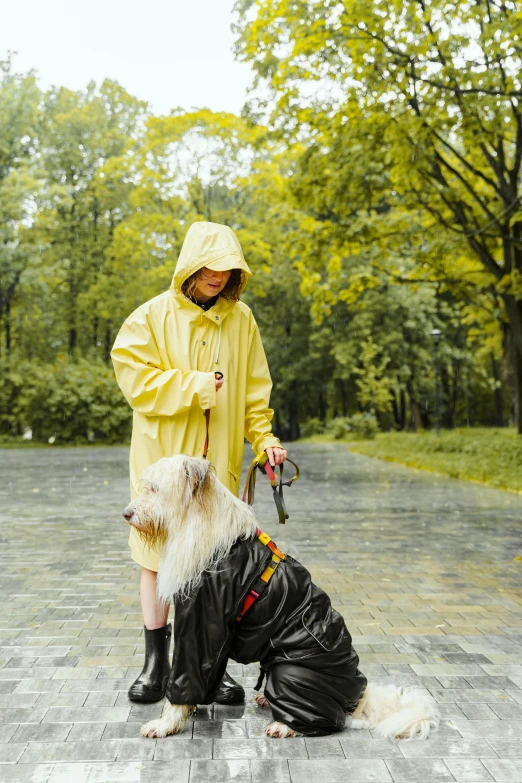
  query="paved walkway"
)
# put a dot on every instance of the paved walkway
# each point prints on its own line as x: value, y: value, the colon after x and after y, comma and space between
x: 422, y: 568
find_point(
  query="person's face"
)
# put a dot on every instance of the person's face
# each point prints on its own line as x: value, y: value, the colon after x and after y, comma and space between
x: 210, y: 283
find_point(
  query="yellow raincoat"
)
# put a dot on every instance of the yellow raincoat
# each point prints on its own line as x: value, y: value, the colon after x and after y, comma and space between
x: 165, y: 356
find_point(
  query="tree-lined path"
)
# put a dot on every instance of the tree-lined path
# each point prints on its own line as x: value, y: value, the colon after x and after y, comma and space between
x: 423, y: 568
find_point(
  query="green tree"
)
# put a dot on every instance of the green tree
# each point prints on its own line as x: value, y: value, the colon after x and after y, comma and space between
x: 441, y: 82
x: 19, y: 99
x: 80, y: 204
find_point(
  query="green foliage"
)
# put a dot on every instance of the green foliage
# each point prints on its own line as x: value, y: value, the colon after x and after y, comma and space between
x: 374, y: 386
x: 68, y: 401
x: 335, y: 204
x: 490, y: 456
x: 360, y: 426
x: 311, y: 427
x: 405, y: 125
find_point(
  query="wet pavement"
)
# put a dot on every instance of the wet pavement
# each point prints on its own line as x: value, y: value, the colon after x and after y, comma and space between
x: 424, y: 570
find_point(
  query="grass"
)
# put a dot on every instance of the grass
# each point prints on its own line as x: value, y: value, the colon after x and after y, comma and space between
x: 489, y: 456
x: 18, y: 443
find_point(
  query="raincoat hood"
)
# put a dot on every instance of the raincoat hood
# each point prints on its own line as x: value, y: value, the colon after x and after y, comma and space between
x: 212, y: 245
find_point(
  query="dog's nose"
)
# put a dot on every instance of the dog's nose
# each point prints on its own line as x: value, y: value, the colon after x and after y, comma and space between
x: 128, y: 514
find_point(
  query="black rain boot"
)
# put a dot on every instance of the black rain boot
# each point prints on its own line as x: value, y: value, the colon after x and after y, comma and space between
x: 230, y: 691
x: 152, y: 682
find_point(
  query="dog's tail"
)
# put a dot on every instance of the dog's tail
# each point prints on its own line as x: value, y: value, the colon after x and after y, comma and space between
x: 413, y: 715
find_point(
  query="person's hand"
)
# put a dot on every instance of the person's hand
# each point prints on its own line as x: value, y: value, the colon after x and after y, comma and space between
x: 219, y: 383
x: 276, y: 455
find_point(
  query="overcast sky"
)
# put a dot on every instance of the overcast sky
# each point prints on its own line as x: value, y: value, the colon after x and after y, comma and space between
x: 168, y: 52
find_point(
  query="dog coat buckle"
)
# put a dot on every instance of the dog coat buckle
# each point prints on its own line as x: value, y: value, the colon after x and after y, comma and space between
x: 262, y: 583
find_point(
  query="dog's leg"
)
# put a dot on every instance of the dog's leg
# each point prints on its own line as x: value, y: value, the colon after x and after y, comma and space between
x: 173, y: 720
x: 357, y: 723
x: 261, y: 700
x: 280, y: 730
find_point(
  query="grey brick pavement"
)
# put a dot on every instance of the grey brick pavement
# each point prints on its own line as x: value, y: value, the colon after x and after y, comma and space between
x: 422, y: 568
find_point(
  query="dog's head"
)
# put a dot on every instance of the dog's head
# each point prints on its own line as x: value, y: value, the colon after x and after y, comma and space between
x: 167, y: 490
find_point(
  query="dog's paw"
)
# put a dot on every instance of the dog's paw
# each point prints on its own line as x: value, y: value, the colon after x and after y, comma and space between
x: 357, y: 723
x: 280, y: 730
x: 261, y: 700
x: 173, y: 720
x: 158, y: 728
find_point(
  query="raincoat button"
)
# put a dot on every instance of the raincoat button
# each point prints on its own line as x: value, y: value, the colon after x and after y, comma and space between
x: 217, y: 317
x: 203, y: 342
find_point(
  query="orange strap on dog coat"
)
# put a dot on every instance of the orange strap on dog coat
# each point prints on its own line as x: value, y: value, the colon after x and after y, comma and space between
x: 261, y: 584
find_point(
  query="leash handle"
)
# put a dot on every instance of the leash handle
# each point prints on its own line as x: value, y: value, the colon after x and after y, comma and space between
x: 263, y: 463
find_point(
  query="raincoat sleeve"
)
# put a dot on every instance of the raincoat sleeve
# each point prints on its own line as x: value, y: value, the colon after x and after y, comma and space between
x: 258, y: 414
x: 147, y: 386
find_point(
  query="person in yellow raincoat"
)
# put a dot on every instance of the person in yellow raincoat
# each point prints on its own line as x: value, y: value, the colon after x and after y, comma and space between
x: 165, y: 358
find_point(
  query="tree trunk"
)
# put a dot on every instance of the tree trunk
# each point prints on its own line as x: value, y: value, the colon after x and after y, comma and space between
x: 8, y: 327
x: 321, y: 405
x: 5, y: 309
x: 447, y: 399
x: 72, y: 340
x: 499, y: 417
x: 395, y: 408
x: 399, y: 408
x: 403, y: 409
x: 516, y: 362
x: 416, y: 414
x: 469, y: 399
x: 514, y: 313
x: 344, y: 398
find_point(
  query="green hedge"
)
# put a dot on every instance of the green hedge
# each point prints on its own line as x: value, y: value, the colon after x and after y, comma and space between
x: 359, y: 426
x: 71, y: 402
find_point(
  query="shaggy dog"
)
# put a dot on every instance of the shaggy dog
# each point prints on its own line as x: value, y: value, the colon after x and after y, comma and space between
x: 212, y: 558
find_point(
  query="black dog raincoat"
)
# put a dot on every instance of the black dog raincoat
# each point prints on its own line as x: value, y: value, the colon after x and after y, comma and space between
x: 302, y: 644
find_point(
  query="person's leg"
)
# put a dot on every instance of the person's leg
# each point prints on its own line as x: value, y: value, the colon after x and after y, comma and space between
x: 155, y: 615
x: 151, y: 684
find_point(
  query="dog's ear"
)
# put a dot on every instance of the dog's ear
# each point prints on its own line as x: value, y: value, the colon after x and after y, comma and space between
x: 198, y: 473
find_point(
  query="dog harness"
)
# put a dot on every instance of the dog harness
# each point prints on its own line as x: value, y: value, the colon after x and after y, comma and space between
x: 262, y: 583
x: 262, y: 462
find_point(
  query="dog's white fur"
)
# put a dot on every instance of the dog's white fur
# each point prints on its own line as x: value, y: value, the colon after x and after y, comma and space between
x: 173, y: 721
x: 196, y: 519
x: 186, y: 508
x: 395, y: 713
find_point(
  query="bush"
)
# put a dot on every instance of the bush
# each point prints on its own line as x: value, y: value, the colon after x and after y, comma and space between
x: 338, y: 428
x: 311, y: 427
x: 71, y: 401
x: 364, y: 426
x: 13, y: 380
x: 360, y: 426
